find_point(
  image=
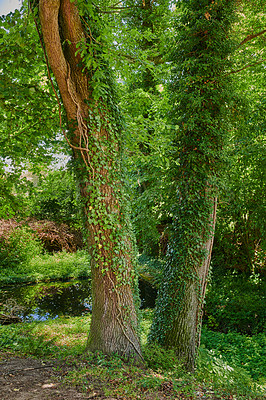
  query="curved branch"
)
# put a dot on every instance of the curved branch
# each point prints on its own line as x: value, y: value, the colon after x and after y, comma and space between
x: 49, y: 11
x: 250, y: 37
x: 247, y: 66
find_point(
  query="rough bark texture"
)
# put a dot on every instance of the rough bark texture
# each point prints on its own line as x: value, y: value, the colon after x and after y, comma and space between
x: 178, y: 313
x: 114, y: 319
x: 185, y: 333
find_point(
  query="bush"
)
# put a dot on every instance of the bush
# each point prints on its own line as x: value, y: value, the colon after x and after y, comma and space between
x: 55, y: 198
x: 19, y: 248
x: 236, y: 302
x: 159, y: 358
x: 214, y: 368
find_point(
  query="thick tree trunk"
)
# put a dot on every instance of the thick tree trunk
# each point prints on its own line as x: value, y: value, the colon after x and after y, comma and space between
x: 93, y: 136
x: 201, y: 96
x: 185, y: 332
x: 178, y: 314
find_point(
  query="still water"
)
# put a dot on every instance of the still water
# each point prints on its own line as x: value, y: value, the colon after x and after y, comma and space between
x: 41, y: 301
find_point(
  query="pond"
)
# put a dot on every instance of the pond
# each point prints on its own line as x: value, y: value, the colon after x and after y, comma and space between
x: 38, y: 302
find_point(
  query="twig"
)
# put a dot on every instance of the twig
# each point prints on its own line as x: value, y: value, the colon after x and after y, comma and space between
x: 247, y: 66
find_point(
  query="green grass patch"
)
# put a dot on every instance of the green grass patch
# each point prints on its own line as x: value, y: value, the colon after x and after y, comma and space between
x: 45, y: 267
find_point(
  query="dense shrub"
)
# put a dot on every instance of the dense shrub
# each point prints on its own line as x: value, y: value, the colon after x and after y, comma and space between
x: 53, y: 236
x: 55, y: 198
x: 236, y: 302
x: 20, y: 246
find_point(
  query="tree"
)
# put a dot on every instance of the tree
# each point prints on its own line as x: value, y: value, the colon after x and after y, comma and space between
x: 73, y: 41
x: 201, y: 97
x: 28, y: 125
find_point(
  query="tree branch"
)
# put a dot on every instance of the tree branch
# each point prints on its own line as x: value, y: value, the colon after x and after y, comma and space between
x: 247, y: 66
x: 49, y: 12
x: 250, y: 37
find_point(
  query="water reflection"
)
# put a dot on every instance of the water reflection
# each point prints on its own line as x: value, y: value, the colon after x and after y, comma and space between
x: 48, y: 300
x: 41, y: 301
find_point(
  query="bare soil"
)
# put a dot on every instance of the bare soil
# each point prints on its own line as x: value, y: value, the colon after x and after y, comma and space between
x: 31, y: 379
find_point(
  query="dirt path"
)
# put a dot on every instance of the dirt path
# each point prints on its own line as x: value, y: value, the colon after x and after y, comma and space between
x: 30, y: 379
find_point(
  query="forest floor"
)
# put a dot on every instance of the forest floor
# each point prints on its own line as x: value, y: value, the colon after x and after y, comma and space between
x: 24, y: 378
x: 31, y: 379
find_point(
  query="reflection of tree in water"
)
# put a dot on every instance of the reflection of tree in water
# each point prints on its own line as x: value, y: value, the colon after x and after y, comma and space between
x: 67, y: 299
x: 50, y: 300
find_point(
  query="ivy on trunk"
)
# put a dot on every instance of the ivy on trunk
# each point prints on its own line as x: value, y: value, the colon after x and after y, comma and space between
x: 85, y: 84
x: 200, y: 97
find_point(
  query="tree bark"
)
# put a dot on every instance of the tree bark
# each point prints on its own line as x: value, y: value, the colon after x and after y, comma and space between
x: 201, y: 96
x: 94, y: 139
x: 178, y: 313
x: 186, y: 331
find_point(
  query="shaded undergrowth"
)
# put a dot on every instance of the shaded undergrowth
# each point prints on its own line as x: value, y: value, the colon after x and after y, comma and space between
x: 225, y: 369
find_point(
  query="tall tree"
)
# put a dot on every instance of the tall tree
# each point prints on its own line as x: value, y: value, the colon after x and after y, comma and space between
x: 71, y: 33
x: 201, y: 96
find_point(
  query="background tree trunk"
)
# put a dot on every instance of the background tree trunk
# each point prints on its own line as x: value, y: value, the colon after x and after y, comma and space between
x: 185, y: 333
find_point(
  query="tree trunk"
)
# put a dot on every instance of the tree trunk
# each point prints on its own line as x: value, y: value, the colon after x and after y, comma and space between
x: 186, y: 331
x: 178, y: 315
x: 200, y: 96
x: 94, y: 138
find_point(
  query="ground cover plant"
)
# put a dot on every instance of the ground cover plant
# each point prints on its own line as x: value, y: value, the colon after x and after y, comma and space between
x: 235, y: 302
x: 225, y: 369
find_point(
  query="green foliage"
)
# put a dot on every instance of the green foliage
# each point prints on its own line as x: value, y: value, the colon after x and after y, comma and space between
x: 213, y: 367
x: 19, y: 248
x: 23, y: 341
x: 8, y: 202
x: 151, y: 268
x: 147, y: 162
x: 241, y: 351
x: 161, y: 359
x: 240, y: 231
x: 29, y: 135
x: 55, y: 198
x: 46, y: 339
x: 47, y: 267
x: 29, y: 123
x: 236, y: 302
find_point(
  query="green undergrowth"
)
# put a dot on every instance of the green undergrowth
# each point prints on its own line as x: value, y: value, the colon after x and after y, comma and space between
x: 226, y: 365
x: 242, y: 351
x: 43, y: 267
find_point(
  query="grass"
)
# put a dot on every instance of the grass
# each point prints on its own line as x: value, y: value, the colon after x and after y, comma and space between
x: 46, y: 267
x: 160, y: 377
